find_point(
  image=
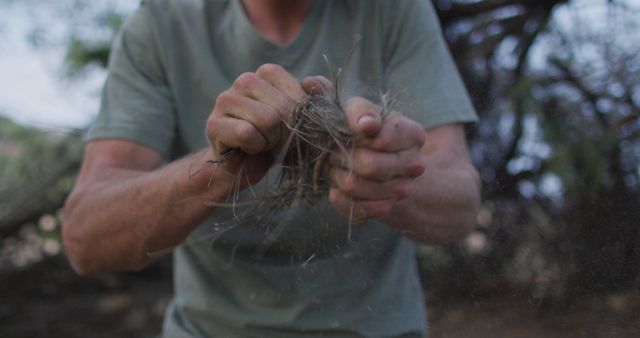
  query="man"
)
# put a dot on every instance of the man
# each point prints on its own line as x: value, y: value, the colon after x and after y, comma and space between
x: 232, y: 67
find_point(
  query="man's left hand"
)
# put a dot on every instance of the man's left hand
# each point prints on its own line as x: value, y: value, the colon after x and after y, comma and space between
x: 384, y: 161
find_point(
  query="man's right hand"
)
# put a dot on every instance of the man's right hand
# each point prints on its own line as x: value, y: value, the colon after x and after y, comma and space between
x: 248, y: 119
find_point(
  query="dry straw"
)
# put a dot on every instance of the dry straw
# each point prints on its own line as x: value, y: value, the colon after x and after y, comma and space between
x: 317, y: 128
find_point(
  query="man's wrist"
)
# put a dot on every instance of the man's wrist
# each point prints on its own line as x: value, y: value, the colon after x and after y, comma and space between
x: 203, y: 180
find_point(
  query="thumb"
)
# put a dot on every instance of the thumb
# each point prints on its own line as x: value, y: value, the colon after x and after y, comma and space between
x: 363, y: 116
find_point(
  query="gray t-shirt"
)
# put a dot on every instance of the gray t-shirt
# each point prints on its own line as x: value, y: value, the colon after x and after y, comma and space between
x: 169, y: 64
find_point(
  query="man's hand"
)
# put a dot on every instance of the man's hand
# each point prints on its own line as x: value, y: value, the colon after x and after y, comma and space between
x: 385, y: 160
x: 248, y: 118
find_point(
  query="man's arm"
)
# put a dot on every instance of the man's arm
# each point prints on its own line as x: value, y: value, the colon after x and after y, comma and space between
x: 124, y: 205
x: 420, y: 182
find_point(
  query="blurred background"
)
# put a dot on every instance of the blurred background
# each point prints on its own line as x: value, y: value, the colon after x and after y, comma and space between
x: 556, y: 252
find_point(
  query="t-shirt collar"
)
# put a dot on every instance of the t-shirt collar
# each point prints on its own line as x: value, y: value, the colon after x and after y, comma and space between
x: 256, y: 41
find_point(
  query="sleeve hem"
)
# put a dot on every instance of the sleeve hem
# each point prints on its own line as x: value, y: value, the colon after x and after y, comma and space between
x: 124, y: 133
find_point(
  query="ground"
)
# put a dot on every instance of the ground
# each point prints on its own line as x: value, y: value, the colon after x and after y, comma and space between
x: 51, y: 301
x: 515, y: 316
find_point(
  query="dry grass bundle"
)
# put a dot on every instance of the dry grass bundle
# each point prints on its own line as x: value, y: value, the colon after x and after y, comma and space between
x: 317, y: 128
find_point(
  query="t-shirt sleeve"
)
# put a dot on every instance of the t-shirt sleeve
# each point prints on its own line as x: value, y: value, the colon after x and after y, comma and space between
x: 136, y: 100
x: 420, y: 71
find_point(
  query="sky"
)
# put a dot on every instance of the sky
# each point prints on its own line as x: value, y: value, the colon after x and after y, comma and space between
x: 34, y: 89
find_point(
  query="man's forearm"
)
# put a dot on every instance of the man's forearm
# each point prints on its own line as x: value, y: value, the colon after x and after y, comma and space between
x: 442, y: 207
x: 113, y: 222
x: 444, y: 202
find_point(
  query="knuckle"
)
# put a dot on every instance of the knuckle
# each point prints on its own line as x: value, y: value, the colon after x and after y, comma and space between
x: 223, y: 100
x: 244, y: 133
x: 246, y: 81
x: 210, y: 126
x: 369, y: 165
x: 269, y: 69
x: 417, y: 166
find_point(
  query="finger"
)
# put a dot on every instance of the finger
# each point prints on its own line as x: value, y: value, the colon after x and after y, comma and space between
x: 359, y: 187
x: 317, y: 85
x: 397, y: 133
x: 358, y: 211
x: 283, y: 81
x: 380, y: 166
x: 263, y: 117
x: 258, y: 88
x: 363, y: 116
x: 231, y: 133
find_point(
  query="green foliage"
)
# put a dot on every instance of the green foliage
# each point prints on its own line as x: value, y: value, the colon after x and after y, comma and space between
x: 582, y: 167
x: 83, y: 51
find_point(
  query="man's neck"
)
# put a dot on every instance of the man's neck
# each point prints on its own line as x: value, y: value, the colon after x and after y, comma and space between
x: 279, y: 21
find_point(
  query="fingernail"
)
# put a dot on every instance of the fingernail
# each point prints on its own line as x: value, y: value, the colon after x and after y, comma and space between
x: 365, y: 119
